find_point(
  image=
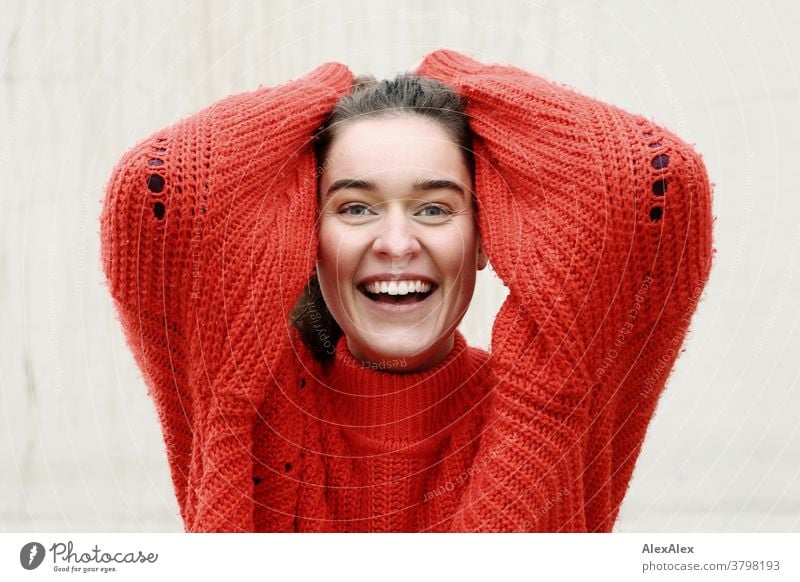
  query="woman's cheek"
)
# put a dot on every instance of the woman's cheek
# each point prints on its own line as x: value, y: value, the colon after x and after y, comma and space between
x: 339, y: 252
x: 329, y: 240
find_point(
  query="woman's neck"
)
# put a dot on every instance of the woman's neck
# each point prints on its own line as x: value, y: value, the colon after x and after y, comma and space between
x: 385, y: 411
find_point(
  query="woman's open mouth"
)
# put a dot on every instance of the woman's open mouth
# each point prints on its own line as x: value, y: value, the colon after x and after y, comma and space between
x: 397, y: 293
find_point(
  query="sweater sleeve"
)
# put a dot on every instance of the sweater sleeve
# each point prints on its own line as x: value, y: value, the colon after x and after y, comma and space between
x: 599, y: 223
x: 204, y: 223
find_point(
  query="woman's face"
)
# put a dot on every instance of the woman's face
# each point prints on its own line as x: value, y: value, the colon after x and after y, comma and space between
x: 398, y: 243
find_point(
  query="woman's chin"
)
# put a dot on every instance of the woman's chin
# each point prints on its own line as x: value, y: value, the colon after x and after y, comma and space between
x: 407, y: 352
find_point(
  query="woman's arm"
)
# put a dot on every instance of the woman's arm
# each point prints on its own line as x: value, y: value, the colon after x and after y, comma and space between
x: 599, y: 223
x: 205, y: 236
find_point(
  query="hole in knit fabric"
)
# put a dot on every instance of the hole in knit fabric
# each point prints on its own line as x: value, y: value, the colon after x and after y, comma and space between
x: 155, y: 163
x: 160, y: 150
x: 287, y: 467
x: 660, y: 161
x: 656, y: 212
x: 660, y: 187
x: 655, y: 145
x: 159, y: 209
x: 155, y: 183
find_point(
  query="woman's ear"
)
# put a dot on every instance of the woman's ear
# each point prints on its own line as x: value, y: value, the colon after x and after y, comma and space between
x: 483, y: 260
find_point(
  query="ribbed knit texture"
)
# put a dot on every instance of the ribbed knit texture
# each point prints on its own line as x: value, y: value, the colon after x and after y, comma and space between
x: 598, y: 221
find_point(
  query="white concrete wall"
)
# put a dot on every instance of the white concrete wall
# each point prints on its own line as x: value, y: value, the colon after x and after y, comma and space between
x: 80, y: 446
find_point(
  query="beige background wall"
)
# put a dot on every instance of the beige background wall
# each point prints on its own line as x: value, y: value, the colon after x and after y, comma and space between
x: 82, y: 81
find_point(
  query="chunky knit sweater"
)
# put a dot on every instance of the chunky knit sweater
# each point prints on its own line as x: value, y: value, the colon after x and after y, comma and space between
x: 598, y: 222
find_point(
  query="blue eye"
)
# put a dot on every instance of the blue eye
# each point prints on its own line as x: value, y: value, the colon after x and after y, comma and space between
x: 359, y: 208
x: 438, y: 211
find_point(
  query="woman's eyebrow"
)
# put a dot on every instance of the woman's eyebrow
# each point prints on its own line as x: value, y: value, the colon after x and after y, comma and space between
x: 417, y: 186
x: 346, y: 183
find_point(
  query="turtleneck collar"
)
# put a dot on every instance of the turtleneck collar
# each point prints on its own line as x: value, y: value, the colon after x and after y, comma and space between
x: 411, y: 413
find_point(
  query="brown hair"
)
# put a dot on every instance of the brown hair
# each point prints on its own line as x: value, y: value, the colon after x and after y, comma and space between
x: 406, y: 94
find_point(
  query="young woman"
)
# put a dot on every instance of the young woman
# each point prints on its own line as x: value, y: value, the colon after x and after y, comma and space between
x: 290, y: 267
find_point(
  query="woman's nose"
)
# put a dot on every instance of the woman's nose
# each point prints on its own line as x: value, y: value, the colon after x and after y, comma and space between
x: 396, y: 238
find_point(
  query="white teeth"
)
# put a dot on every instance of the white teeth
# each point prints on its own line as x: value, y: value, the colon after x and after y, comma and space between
x: 398, y: 287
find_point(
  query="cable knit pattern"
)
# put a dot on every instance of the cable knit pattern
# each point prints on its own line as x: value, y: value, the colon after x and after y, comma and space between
x: 598, y: 222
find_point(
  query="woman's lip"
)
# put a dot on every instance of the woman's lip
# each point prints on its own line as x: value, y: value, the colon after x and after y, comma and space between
x: 397, y: 308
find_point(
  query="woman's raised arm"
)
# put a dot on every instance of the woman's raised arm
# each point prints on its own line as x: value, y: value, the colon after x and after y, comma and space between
x: 599, y: 223
x: 205, y: 244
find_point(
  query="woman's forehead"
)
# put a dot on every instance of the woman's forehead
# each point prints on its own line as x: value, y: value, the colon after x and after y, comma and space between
x: 390, y: 151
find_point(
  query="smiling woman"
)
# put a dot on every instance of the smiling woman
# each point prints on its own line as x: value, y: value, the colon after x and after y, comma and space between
x: 290, y: 267
x: 398, y: 240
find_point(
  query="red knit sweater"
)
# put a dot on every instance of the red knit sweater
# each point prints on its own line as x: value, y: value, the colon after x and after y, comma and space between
x: 598, y: 221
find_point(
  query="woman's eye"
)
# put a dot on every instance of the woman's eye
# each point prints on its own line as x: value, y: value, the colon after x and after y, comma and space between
x: 355, y: 210
x: 435, y: 211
